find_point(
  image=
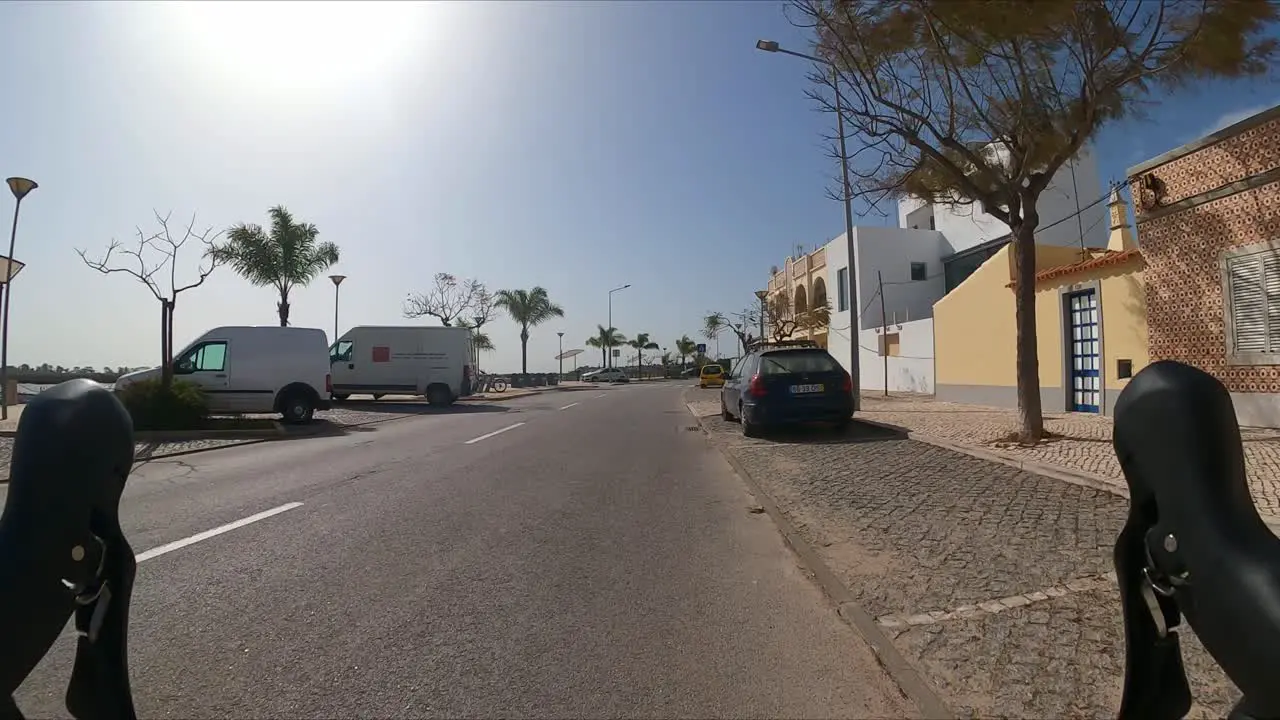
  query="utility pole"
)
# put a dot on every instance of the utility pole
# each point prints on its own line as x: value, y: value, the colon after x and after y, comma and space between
x: 884, y: 333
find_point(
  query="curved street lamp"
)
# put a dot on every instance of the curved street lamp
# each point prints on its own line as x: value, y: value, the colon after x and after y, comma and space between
x: 337, y: 280
x: 855, y: 326
x: 20, y: 187
x: 610, y: 325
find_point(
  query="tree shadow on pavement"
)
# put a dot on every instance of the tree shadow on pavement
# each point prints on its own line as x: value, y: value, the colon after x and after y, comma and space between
x: 416, y: 408
x: 810, y: 433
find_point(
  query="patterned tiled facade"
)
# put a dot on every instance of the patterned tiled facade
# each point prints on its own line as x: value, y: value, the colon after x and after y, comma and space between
x: 1182, y: 248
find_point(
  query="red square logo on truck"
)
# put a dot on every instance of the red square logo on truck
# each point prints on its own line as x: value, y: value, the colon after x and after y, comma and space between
x: 382, y: 354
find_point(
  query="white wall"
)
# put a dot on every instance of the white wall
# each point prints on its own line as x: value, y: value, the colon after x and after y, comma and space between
x: 966, y: 226
x: 887, y: 253
x: 911, y: 370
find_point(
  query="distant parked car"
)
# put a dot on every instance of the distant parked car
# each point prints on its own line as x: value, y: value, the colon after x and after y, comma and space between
x: 711, y: 376
x: 606, y: 375
x: 784, y: 383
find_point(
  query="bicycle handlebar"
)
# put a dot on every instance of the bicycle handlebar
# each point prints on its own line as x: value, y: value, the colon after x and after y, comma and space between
x: 1193, y: 546
x: 62, y: 551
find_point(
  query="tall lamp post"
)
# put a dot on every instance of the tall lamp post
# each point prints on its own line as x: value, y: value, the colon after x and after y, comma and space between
x: 610, y: 325
x: 855, y: 326
x: 337, y: 280
x: 560, y: 357
x: 19, y: 187
x: 761, y: 295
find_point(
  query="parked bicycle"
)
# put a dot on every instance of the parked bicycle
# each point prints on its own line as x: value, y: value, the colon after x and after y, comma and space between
x: 488, y: 382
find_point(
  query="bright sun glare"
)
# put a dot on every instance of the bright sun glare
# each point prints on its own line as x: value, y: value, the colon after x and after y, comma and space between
x: 267, y: 45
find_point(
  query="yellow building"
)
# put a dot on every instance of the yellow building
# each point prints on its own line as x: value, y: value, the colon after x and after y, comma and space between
x: 1091, y: 326
x: 804, y: 280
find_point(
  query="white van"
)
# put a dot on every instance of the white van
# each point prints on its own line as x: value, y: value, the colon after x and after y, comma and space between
x: 402, y: 360
x: 255, y: 370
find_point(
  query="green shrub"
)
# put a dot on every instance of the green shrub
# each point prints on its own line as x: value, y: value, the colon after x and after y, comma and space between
x: 182, y: 407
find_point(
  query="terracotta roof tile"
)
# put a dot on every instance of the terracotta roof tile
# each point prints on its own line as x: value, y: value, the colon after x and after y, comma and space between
x: 1107, y: 259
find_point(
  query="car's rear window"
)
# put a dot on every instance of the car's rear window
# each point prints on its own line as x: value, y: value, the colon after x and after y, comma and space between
x: 711, y: 369
x: 797, y: 361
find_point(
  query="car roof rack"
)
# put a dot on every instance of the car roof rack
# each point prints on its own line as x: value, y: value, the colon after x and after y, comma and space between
x: 779, y: 344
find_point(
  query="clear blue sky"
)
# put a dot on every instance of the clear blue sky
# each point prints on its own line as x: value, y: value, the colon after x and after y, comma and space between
x: 577, y: 146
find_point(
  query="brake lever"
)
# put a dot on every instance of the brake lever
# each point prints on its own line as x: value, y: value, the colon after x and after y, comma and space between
x: 62, y: 551
x: 1194, y: 546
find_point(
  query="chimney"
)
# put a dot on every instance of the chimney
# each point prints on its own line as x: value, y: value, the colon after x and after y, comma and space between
x: 1121, y: 237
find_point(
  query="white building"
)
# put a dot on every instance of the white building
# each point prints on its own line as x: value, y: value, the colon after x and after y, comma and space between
x: 933, y: 249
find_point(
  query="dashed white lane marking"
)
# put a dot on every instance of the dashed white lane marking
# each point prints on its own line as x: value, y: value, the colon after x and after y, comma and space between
x: 602, y: 395
x: 179, y: 544
x: 486, y: 436
x: 566, y: 407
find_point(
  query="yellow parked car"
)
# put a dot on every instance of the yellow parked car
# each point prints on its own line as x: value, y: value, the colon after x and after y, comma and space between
x: 711, y: 376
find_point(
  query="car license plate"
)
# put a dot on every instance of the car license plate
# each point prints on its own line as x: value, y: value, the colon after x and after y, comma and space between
x: 798, y: 389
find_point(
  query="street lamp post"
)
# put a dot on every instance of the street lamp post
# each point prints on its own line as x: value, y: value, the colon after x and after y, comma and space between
x: 855, y: 326
x: 609, y: 362
x: 19, y: 187
x: 761, y: 295
x: 337, y: 280
x: 560, y: 357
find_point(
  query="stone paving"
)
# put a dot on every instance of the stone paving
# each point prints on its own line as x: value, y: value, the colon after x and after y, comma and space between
x: 1082, y: 442
x: 994, y: 582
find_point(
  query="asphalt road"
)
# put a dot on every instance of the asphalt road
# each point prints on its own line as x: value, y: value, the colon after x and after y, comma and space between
x: 594, y: 558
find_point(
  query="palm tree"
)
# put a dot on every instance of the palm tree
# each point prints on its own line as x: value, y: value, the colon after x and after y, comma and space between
x: 712, y: 325
x: 527, y: 308
x: 480, y: 342
x: 285, y: 257
x: 605, y: 339
x: 685, y: 347
x: 642, y: 343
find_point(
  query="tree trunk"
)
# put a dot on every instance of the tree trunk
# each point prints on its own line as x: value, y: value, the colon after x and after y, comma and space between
x: 283, y: 308
x: 1030, y: 419
x: 166, y: 357
x: 524, y: 351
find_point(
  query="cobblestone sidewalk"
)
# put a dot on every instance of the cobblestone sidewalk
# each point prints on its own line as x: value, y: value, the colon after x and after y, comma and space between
x: 995, y: 583
x: 1083, y: 441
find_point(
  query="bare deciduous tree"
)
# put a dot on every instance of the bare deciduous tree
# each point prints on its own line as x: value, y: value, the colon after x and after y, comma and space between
x: 983, y: 102
x: 447, y: 300
x: 782, y: 319
x: 154, y: 263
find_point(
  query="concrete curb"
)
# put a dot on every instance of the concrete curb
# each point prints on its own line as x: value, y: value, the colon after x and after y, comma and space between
x: 277, y: 430
x: 910, y: 683
x: 500, y: 397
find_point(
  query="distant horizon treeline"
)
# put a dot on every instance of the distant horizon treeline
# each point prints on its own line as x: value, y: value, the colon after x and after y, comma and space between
x: 47, y: 374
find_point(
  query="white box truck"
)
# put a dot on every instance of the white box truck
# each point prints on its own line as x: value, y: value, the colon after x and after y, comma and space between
x: 434, y: 362
x: 263, y: 369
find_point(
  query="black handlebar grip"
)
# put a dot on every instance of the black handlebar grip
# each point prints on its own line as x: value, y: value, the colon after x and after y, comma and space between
x: 1179, y: 445
x: 60, y: 537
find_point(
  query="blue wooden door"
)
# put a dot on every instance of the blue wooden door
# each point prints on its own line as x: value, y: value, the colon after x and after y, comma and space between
x: 1086, y: 388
